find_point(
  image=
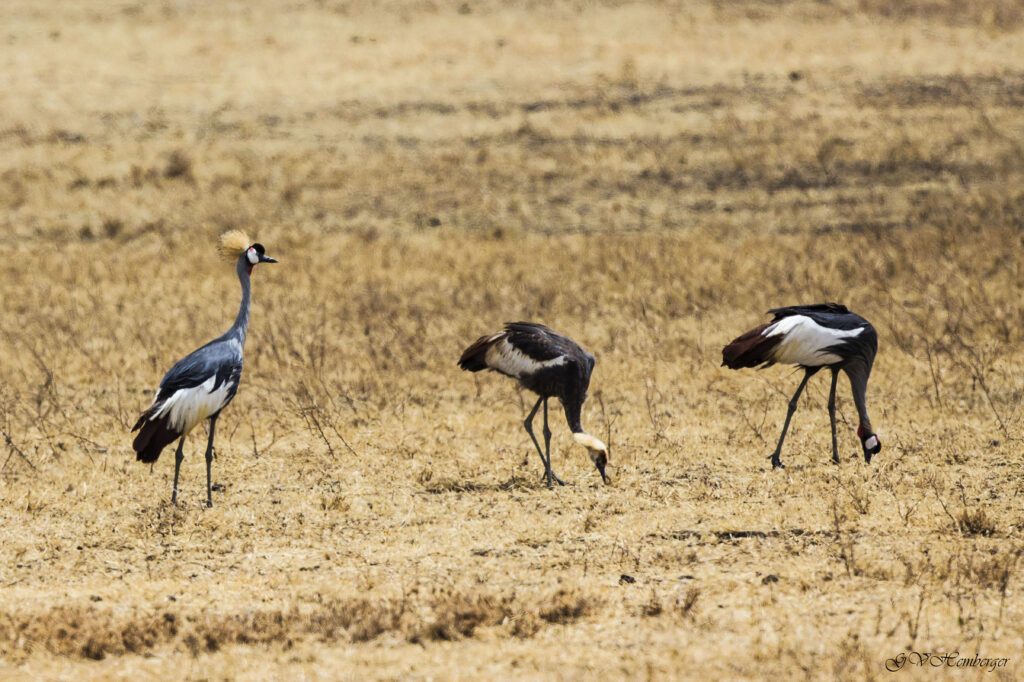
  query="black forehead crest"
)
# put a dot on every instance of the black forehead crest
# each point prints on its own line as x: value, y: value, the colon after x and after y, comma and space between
x: 259, y: 248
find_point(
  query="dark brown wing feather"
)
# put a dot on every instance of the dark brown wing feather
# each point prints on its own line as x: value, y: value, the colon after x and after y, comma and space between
x: 474, y: 358
x: 540, y: 342
x: 750, y: 349
x: 834, y: 308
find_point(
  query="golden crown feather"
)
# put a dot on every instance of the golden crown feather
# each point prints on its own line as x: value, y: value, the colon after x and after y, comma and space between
x: 233, y: 244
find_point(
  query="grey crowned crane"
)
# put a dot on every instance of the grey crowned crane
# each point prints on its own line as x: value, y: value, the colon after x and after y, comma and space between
x: 550, y: 365
x: 203, y: 382
x: 813, y: 337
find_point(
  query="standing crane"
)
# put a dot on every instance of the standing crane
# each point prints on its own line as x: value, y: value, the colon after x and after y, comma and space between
x: 813, y: 337
x: 550, y: 365
x: 203, y: 382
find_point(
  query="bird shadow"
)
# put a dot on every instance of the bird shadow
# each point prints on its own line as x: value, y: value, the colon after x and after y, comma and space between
x: 741, y: 534
x: 452, y: 485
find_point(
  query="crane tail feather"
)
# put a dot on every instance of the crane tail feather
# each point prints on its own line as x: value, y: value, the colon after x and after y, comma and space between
x: 154, y: 435
x: 750, y: 349
x: 474, y: 358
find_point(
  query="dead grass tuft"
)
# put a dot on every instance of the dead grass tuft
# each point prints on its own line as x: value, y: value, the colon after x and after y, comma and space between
x: 976, y: 522
x: 445, y: 615
x: 179, y: 166
x: 566, y: 606
x: 458, y: 615
x: 1002, y: 15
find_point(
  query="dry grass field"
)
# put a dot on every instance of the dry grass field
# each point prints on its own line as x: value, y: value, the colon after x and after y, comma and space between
x: 648, y: 178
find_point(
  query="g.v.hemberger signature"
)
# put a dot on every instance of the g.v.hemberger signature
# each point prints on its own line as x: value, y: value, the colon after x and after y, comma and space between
x: 923, y: 659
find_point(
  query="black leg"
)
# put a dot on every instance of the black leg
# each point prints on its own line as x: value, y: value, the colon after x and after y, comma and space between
x: 528, y: 423
x: 547, y: 449
x: 832, y: 415
x: 178, y: 456
x: 209, y: 460
x: 776, y: 462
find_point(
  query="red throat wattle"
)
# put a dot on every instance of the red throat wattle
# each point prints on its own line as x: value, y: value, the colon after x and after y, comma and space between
x: 860, y: 431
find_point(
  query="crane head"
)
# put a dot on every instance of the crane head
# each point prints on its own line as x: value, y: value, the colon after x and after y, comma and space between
x: 235, y: 244
x: 257, y: 254
x: 869, y: 441
x: 597, y: 450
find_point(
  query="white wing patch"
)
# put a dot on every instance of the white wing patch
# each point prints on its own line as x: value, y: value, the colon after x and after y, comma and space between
x: 804, y: 341
x: 508, y: 359
x: 188, y: 406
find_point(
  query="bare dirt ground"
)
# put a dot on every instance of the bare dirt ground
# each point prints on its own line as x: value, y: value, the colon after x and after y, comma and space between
x: 648, y: 178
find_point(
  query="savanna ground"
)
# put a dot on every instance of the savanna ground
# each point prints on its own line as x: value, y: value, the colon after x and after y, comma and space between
x: 648, y: 178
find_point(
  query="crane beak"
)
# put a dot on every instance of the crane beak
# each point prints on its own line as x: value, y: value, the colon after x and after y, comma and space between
x: 267, y: 259
x: 601, y: 461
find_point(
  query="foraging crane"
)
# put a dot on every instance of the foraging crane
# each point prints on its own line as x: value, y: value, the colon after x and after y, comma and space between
x: 202, y: 383
x: 550, y: 365
x: 812, y: 337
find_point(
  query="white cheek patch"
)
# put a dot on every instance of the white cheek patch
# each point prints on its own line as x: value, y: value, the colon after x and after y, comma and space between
x: 871, y: 443
x: 253, y: 257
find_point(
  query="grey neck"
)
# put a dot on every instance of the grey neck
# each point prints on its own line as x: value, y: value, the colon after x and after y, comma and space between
x: 859, y: 386
x: 572, y: 415
x: 242, y: 321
